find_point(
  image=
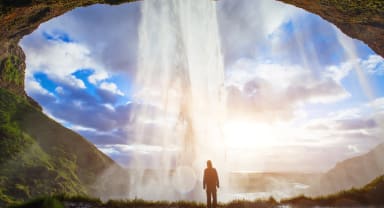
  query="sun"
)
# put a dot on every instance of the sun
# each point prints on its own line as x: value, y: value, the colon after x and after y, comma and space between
x: 242, y: 134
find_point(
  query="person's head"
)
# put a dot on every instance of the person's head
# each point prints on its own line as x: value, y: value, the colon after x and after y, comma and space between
x: 209, y: 164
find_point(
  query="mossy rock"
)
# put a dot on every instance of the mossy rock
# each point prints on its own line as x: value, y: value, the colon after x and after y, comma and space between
x: 10, y: 72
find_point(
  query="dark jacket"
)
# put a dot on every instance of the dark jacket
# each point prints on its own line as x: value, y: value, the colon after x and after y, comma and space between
x: 211, y: 179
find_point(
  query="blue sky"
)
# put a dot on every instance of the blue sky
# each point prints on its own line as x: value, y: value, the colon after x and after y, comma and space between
x: 282, y: 65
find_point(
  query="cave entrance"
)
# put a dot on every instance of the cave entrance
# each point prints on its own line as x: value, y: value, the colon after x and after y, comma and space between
x: 291, y: 78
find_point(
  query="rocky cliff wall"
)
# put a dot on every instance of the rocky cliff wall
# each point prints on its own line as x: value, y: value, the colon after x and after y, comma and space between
x: 361, y: 19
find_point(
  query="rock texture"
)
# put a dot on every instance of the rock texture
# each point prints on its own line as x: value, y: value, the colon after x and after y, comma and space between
x: 12, y: 66
x: 361, y: 19
x: 38, y: 156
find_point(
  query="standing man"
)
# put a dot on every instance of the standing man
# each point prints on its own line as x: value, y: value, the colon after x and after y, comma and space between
x: 210, y: 182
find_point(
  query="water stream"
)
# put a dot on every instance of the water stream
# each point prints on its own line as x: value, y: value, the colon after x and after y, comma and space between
x: 181, y: 89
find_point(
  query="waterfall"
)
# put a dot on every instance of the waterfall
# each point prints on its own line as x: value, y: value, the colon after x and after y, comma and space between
x: 181, y: 100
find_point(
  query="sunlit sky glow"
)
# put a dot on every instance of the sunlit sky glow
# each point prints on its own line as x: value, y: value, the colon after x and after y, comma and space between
x: 301, y: 95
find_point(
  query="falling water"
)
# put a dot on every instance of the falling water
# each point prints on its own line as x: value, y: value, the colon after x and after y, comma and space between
x: 351, y: 52
x: 181, y: 99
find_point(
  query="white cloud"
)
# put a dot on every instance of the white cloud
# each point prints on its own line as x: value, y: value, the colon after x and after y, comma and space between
x: 57, y: 56
x: 374, y: 64
x: 73, y: 81
x: 271, y: 90
x: 377, y: 104
x: 109, y: 107
x: 281, y: 14
x: 279, y: 89
x: 358, y: 120
x: 59, y: 90
x: 108, y: 150
x: 82, y: 128
x: 377, y: 107
x: 111, y: 87
x: 245, y: 24
x: 97, y: 77
x: 34, y: 87
x: 341, y: 71
x: 286, y: 77
x: 58, y: 60
x: 109, y: 32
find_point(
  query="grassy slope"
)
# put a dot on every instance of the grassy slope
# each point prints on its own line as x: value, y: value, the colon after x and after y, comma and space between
x: 38, y: 156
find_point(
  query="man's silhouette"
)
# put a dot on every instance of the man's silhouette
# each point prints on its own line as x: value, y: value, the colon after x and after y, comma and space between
x: 210, y: 182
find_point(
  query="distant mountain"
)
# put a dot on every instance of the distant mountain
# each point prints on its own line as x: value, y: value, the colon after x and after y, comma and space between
x: 354, y: 172
x: 38, y: 156
x: 369, y: 195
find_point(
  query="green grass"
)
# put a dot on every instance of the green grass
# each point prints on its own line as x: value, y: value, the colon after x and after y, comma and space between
x: 26, y: 169
x: 43, y: 202
x: 361, y: 197
x: 40, y: 157
x: 94, y: 202
x: 10, y: 71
